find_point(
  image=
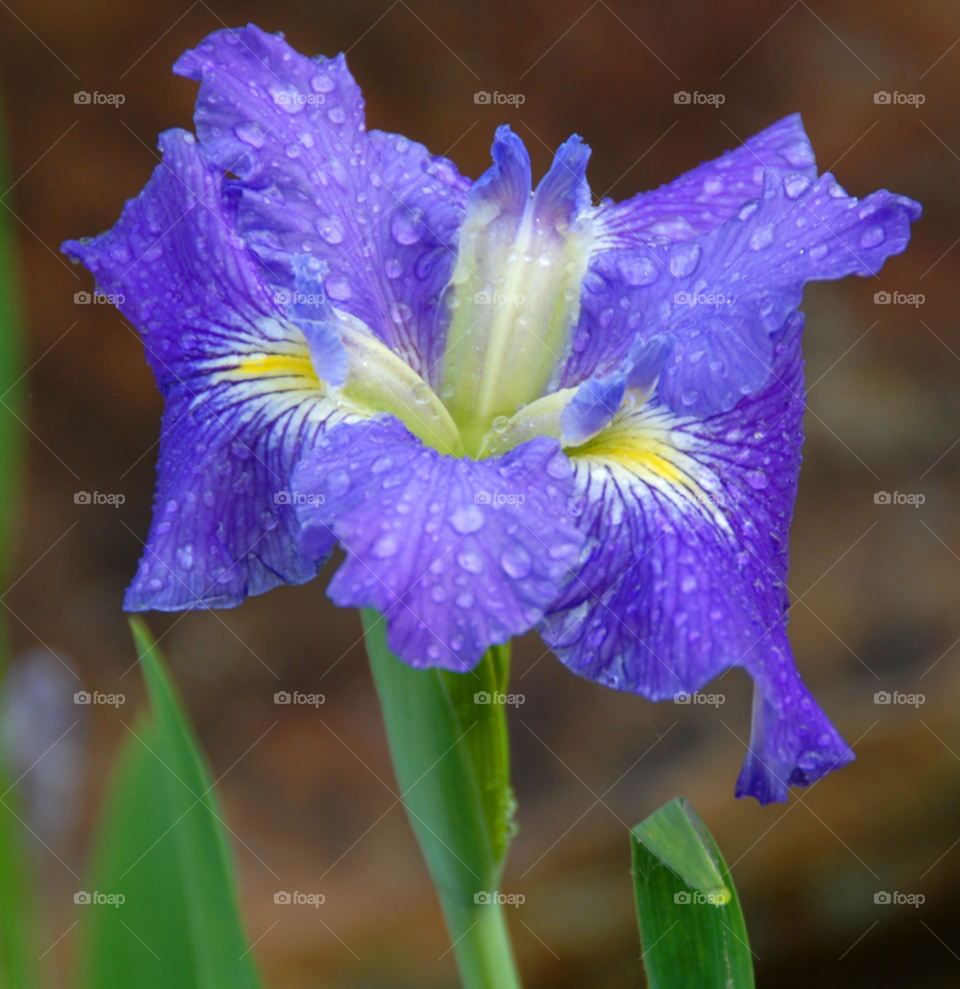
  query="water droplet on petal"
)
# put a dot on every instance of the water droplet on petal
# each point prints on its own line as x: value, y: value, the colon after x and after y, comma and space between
x: 873, y: 236
x: 338, y: 288
x: 330, y: 228
x: 637, y: 270
x: 250, y: 133
x: 466, y: 519
x: 516, y: 562
x: 761, y: 237
x: 795, y: 185
x: 558, y: 466
x: 757, y: 479
x: 470, y: 561
x: 185, y: 556
x: 684, y: 259
x: 336, y: 115
x: 385, y: 547
x: 338, y: 483
x: 322, y: 83
x: 406, y: 226
x: 393, y: 268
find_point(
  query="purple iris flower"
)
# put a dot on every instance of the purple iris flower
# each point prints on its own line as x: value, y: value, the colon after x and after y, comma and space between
x: 513, y: 409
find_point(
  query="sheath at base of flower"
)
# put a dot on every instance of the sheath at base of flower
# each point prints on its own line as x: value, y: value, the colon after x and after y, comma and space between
x: 512, y: 408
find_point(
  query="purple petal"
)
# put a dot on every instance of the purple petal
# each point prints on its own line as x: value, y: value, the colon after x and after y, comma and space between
x: 563, y: 193
x: 378, y: 209
x: 792, y: 742
x: 240, y: 392
x: 723, y: 294
x: 592, y: 407
x: 506, y: 183
x: 687, y: 577
x: 458, y: 555
x: 712, y: 192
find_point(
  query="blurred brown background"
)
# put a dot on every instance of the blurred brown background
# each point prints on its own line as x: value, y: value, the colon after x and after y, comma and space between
x: 309, y: 791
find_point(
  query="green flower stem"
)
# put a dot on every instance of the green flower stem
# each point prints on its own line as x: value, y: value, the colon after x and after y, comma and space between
x: 482, y: 946
x: 451, y: 757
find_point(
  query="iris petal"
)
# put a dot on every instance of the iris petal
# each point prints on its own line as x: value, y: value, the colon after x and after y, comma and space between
x: 241, y: 396
x: 458, y: 555
x: 724, y: 294
x: 377, y: 208
x: 689, y: 519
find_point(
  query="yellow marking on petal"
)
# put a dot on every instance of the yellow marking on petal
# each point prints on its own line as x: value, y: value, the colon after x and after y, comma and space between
x: 654, y: 448
x: 636, y: 452
x: 279, y: 366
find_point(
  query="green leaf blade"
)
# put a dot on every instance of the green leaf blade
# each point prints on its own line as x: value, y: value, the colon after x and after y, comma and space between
x: 163, y: 848
x: 691, y: 925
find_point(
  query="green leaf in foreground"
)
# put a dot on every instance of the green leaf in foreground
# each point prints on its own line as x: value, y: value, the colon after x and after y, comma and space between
x: 18, y: 968
x: 162, y: 848
x: 691, y: 926
x: 451, y: 757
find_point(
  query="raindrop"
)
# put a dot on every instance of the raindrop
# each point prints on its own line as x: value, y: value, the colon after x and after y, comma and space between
x: 470, y: 561
x: 795, y: 185
x: 637, y: 271
x: 406, y: 226
x: 516, y: 562
x: 250, y: 133
x: 338, y: 483
x: 330, y: 228
x: 873, y: 236
x: 467, y: 519
x: 761, y: 237
x: 385, y: 547
x: 684, y: 260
